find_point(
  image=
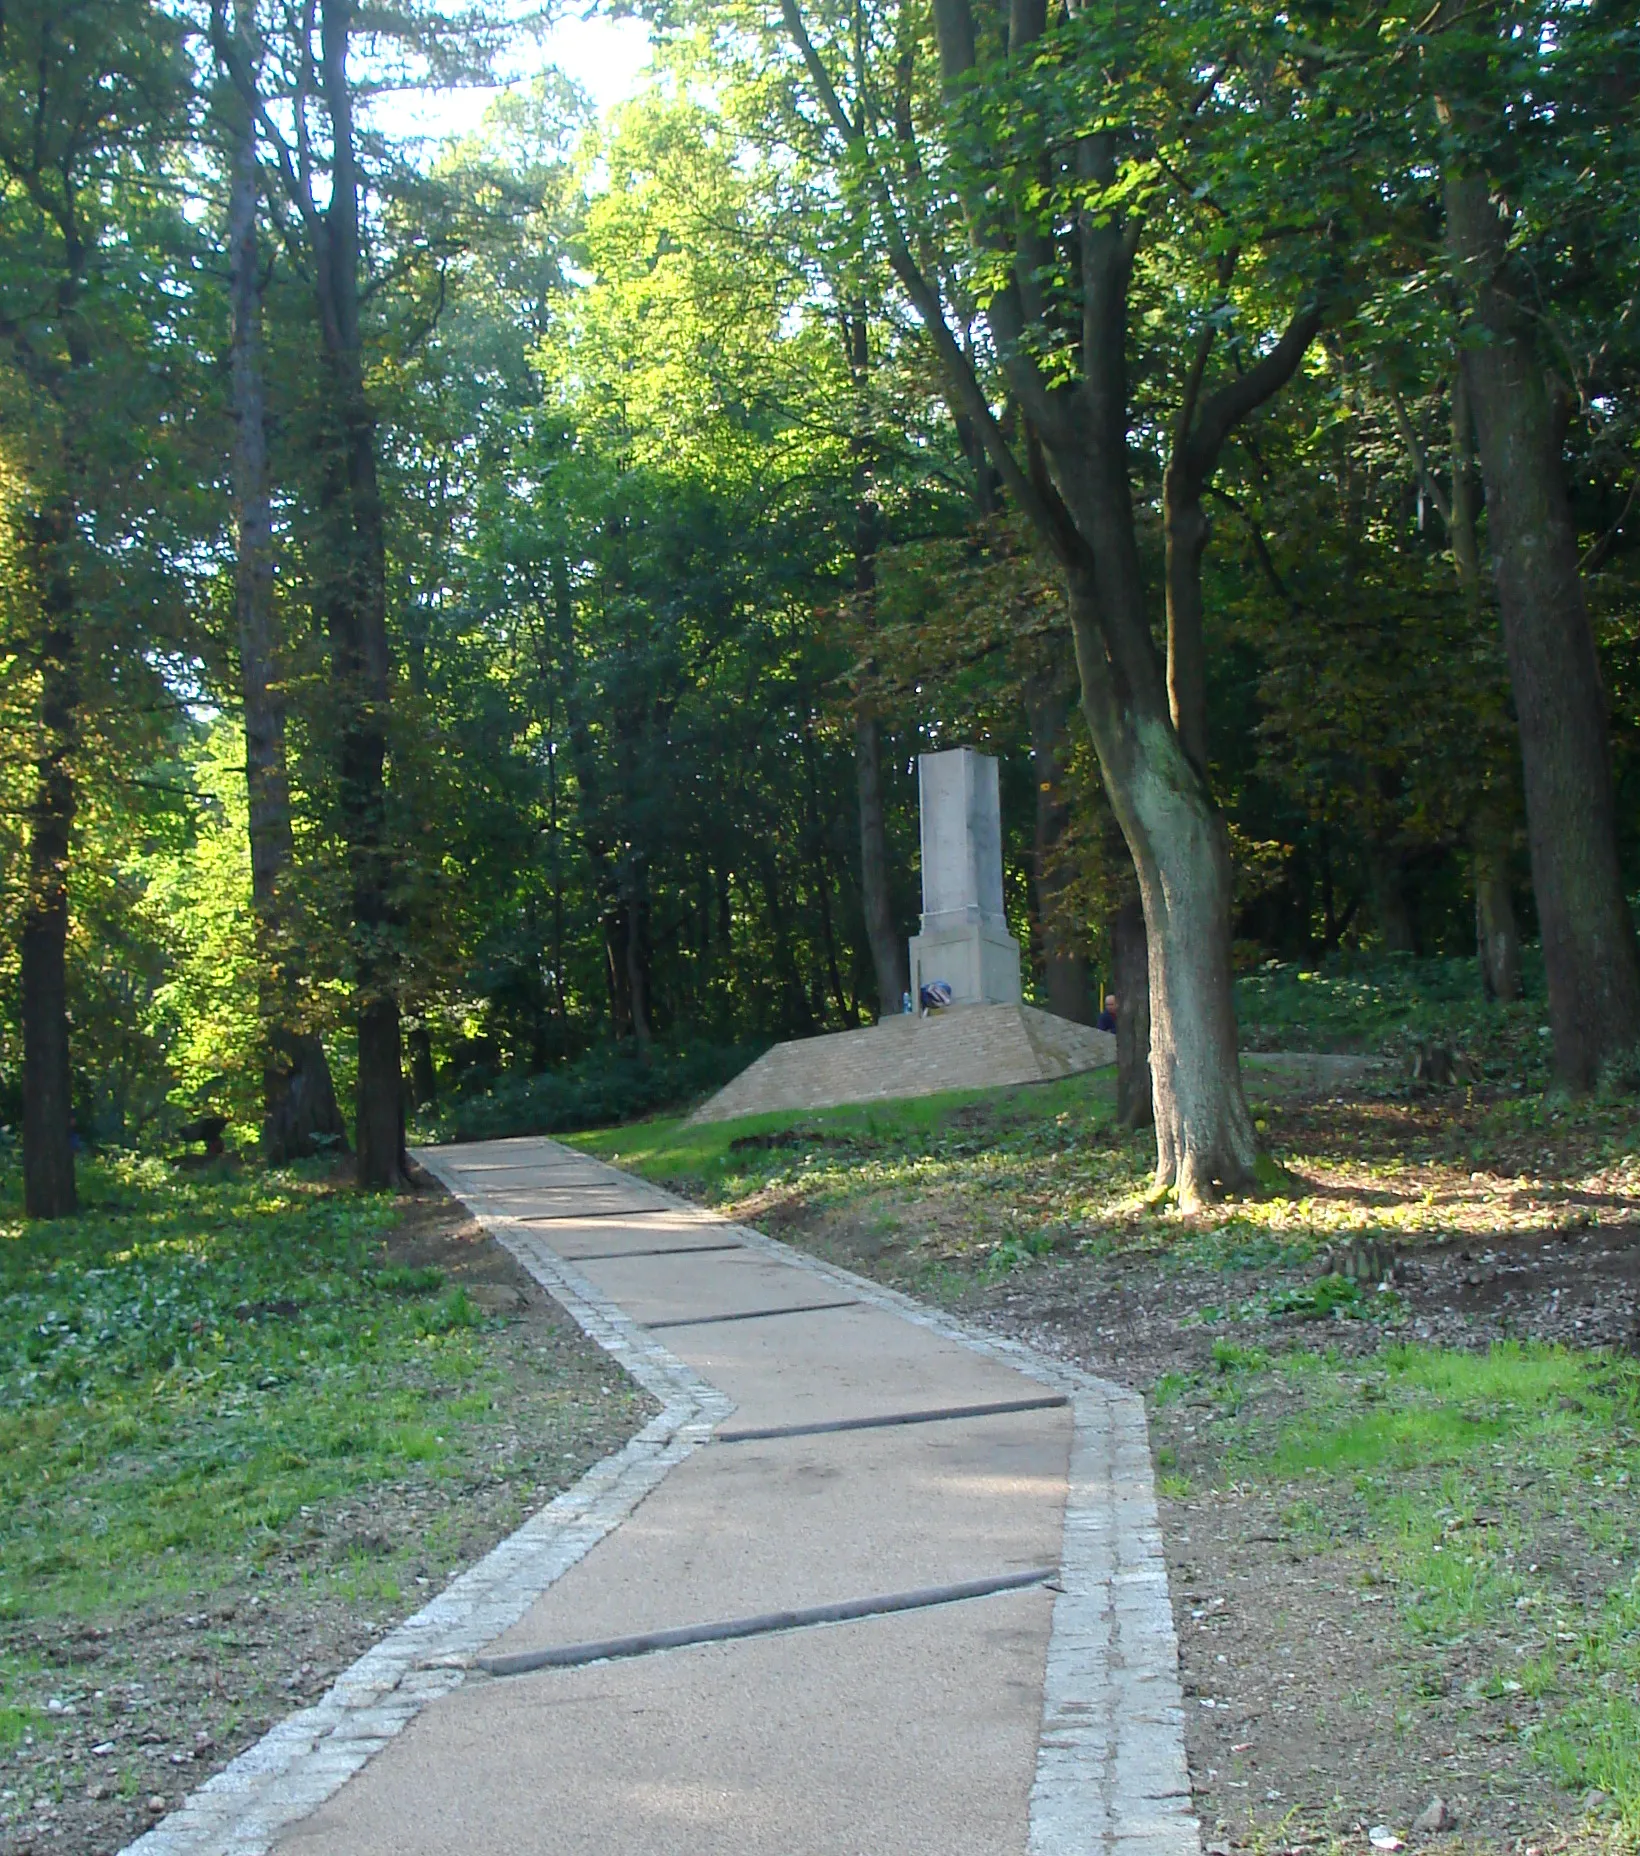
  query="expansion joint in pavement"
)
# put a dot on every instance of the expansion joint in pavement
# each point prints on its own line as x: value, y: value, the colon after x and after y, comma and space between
x: 947, y: 1414
x: 657, y: 1250
x: 749, y: 1314
x: 763, y: 1624
x: 619, y: 1211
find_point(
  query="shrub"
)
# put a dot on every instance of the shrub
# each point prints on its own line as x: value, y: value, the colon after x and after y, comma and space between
x: 608, y: 1085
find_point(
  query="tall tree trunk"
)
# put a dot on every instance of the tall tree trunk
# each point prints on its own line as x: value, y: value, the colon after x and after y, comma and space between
x: 1589, y: 952
x: 1151, y: 750
x: 828, y: 933
x: 814, y: 832
x: 1130, y: 981
x: 1205, y: 1144
x: 1497, y: 932
x: 423, y: 1076
x: 1064, y: 964
x: 48, y: 1080
x: 1464, y: 523
x: 352, y: 572
x: 357, y: 611
x: 1074, y: 485
x: 1387, y: 868
x: 1497, y: 937
x: 615, y: 978
x: 637, y: 960
x: 299, y: 1100
x: 890, y: 958
x: 48, y: 1083
x: 799, y: 1013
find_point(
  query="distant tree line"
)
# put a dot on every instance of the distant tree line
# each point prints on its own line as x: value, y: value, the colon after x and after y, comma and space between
x: 464, y: 605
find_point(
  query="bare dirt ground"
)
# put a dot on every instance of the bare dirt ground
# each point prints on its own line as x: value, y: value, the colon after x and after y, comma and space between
x: 148, y: 1705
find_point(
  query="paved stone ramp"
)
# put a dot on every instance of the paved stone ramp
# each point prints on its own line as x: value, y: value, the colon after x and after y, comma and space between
x: 1042, y: 1716
x: 967, y: 1047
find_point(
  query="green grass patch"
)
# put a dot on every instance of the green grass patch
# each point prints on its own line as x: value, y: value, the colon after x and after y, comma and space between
x: 1494, y: 1495
x: 16, y: 1723
x: 1384, y: 1004
x: 1007, y: 1175
x: 193, y: 1365
x: 955, y: 1124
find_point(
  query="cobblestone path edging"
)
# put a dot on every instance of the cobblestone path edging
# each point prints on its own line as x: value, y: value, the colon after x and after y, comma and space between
x: 1111, y: 1778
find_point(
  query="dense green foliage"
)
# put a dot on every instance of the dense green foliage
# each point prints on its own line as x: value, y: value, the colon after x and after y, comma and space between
x: 673, y: 492
x: 610, y: 1083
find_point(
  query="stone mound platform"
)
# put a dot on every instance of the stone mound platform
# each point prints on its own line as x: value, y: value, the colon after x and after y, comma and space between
x: 966, y: 1047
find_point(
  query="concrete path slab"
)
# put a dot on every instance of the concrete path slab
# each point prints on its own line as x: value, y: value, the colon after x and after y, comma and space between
x: 742, y: 1529
x: 1044, y: 1720
x: 906, y: 1736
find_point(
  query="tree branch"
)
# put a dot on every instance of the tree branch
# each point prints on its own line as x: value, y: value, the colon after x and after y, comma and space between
x: 930, y: 308
x: 1223, y: 411
x: 1595, y: 557
x: 1415, y: 450
x: 243, y: 78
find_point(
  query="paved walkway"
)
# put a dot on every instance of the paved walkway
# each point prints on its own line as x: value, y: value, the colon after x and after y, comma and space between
x: 819, y: 1447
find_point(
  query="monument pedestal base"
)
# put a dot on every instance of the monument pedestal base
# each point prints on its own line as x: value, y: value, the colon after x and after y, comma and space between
x: 979, y: 962
x: 969, y: 1047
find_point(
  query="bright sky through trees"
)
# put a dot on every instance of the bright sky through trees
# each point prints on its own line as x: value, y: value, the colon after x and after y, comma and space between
x: 603, y: 56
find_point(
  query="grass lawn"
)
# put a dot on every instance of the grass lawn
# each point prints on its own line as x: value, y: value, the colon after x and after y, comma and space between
x: 1401, y: 1528
x: 1410, y: 1573
x: 976, y: 1180
x: 247, y: 1421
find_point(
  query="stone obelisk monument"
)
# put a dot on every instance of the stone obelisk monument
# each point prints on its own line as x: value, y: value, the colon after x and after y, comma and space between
x: 964, y: 939
x: 965, y: 942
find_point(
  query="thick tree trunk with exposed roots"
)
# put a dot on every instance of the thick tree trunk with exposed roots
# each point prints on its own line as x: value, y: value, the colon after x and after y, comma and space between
x: 1205, y: 1145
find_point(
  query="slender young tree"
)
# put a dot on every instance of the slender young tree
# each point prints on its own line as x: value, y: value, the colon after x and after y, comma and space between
x: 1497, y: 931
x: 1048, y: 705
x: 889, y: 954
